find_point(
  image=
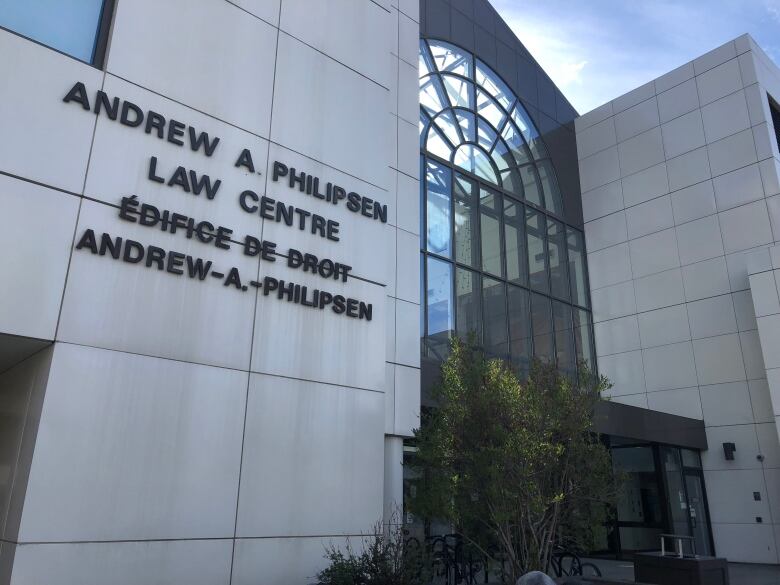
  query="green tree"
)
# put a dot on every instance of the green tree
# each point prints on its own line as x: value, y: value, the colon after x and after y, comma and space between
x: 514, y: 466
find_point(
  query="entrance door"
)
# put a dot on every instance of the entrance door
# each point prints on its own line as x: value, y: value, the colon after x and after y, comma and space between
x: 697, y: 510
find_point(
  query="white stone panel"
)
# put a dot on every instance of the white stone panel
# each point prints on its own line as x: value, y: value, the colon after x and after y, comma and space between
x: 638, y: 400
x: 743, y: 436
x: 719, y: 81
x: 693, y: 202
x: 664, y: 326
x: 645, y: 185
x: 407, y: 333
x: 743, y: 307
x: 705, y: 279
x: 730, y: 496
x: 340, y: 120
x: 602, y: 201
x: 144, y: 319
x: 636, y: 119
x: 669, y: 366
x: 649, y: 217
x: 641, y: 151
x: 133, y: 447
x: 719, y: 359
x: 596, y: 138
x: 731, y: 153
x: 121, y: 158
x: 680, y: 402
x: 320, y: 345
x: 690, y: 168
x: 606, y: 231
x: 617, y: 335
x: 740, y: 542
x: 364, y: 47
x: 763, y: 289
x: 137, y: 41
x: 738, y: 187
x: 725, y: 116
x: 751, y: 354
x: 715, y: 57
x: 745, y: 227
x: 659, y: 290
x: 654, y: 253
x: 633, y: 97
x: 613, y: 301
x: 41, y: 78
x: 302, y: 434
x: 683, y: 134
x: 195, y: 562
x: 599, y: 169
x: 625, y: 371
x: 407, y: 401
x: 609, y: 266
x: 679, y: 100
x: 408, y: 267
x: 761, y: 401
x: 713, y: 316
x: 36, y: 239
x: 699, y: 240
x: 726, y: 404
x: 674, y: 77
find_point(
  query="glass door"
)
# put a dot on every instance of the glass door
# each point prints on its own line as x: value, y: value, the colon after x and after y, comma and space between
x: 697, y: 511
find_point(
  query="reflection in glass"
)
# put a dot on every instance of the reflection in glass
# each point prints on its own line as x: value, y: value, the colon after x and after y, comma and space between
x: 516, y: 144
x: 564, y: 337
x: 552, y: 195
x: 438, y: 179
x: 432, y: 96
x: 514, y: 242
x: 579, y: 283
x: 486, y: 136
x: 519, y: 328
x: 449, y: 58
x: 556, y: 250
x: 449, y: 127
x: 639, y: 500
x: 490, y: 231
x: 541, y: 324
x: 677, y: 505
x: 69, y: 27
x: 459, y: 91
x: 466, y: 246
x: 583, y: 337
x: 494, y: 311
x: 437, y: 144
x: 531, y: 185
x: 489, y: 109
x: 467, y: 125
x: 468, y: 303
x: 494, y: 86
x: 475, y: 161
x: 537, y: 252
x: 439, y: 303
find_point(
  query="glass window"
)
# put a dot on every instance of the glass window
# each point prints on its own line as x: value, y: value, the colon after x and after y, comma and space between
x: 439, y: 303
x: 541, y: 324
x: 552, y: 195
x: 531, y: 185
x: 449, y: 58
x: 556, y: 249
x: 519, y: 328
x: 490, y: 230
x: 537, y: 250
x: 459, y: 91
x: 583, y: 336
x: 577, y: 275
x: 494, y: 311
x: 564, y: 337
x: 475, y: 161
x: 438, y: 180
x: 69, y: 27
x: 514, y: 242
x: 466, y: 245
x: 691, y: 458
x: 468, y: 300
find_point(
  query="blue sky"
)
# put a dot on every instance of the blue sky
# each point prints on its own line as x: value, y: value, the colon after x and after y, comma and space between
x: 596, y: 50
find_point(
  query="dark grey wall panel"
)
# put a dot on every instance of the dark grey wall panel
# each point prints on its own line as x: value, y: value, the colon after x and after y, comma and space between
x: 476, y: 26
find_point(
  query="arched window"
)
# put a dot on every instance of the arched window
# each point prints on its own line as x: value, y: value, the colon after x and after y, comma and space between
x: 470, y: 118
x: 498, y: 259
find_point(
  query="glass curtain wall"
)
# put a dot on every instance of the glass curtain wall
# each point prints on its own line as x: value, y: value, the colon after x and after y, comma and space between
x: 498, y: 259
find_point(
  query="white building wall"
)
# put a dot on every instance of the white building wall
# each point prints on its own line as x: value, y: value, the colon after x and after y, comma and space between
x: 680, y: 183
x: 189, y: 432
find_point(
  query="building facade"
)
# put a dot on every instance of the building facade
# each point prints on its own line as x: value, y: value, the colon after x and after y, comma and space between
x: 225, y: 241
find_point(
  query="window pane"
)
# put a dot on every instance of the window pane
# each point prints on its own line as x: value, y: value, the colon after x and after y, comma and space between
x: 519, y: 328
x: 475, y: 161
x: 577, y: 275
x: 537, y: 253
x: 516, y: 144
x: 494, y: 86
x: 583, y: 336
x: 552, y: 195
x: 448, y: 126
x: 436, y: 143
x: 494, y: 311
x: 514, y: 238
x: 490, y: 230
x: 564, y: 337
x: 439, y: 304
x: 530, y: 185
x: 70, y: 27
x: 466, y: 248
x: 459, y: 91
x: 556, y: 247
x: 432, y: 96
x: 489, y: 109
x: 541, y: 325
x: 468, y: 303
x: 438, y: 180
x: 449, y: 58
